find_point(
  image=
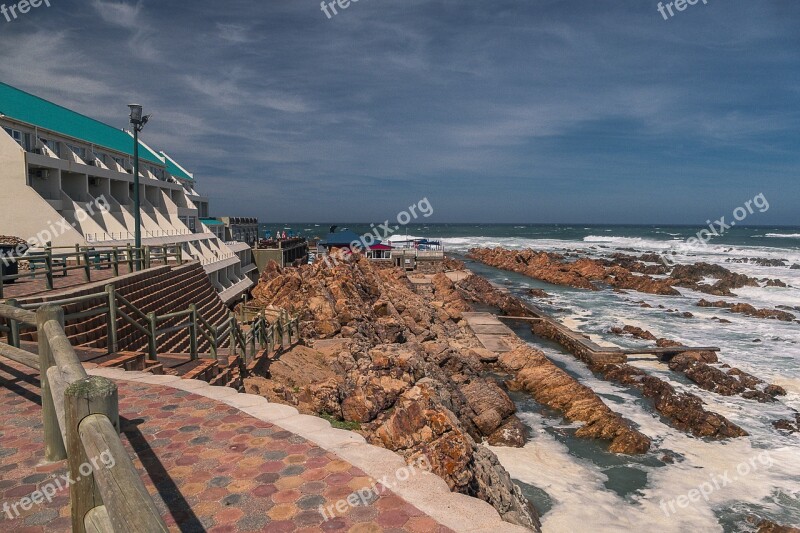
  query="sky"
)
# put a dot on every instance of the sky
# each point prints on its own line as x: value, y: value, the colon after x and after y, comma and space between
x: 533, y: 111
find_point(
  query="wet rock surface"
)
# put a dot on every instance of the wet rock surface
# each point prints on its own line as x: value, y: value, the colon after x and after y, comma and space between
x: 749, y: 310
x: 551, y: 386
x: 583, y: 273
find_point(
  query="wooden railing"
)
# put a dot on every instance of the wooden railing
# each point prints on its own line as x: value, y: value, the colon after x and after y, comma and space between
x: 237, y: 335
x: 81, y: 424
x: 50, y: 262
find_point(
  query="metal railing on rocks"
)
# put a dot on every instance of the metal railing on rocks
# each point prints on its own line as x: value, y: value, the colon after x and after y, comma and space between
x: 81, y: 423
x: 50, y: 262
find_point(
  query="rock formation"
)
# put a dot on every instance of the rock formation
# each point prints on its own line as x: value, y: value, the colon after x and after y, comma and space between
x: 398, y: 367
x: 749, y: 310
x: 582, y: 273
x: 684, y: 410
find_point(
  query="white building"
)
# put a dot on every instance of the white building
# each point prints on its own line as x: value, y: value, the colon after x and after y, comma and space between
x: 57, y: 166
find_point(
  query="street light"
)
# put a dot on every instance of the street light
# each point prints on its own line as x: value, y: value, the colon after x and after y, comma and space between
x: 137, y: 121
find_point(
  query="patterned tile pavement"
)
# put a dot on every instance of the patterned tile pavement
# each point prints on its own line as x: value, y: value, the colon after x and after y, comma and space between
x: 209, y: 467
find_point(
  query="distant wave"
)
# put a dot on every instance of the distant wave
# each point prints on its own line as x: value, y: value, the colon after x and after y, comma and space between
x: 783, y: 235
x: 628, y: 241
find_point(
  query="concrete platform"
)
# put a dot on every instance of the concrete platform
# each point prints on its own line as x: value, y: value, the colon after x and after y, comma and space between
x: 490, y: 331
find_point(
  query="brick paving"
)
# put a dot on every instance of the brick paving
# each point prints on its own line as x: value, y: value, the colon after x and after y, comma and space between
x: 209, y: 467
x: 30, y: 286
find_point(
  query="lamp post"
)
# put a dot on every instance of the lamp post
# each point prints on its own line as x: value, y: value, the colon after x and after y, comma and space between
x: 137, y: 121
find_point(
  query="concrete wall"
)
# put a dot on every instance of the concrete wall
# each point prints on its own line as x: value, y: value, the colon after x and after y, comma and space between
x: 23, y: 211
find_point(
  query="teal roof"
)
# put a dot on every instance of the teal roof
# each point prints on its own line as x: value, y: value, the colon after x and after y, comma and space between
x: 212, y: 222
x: 174, y: 169
x: 36, y: 111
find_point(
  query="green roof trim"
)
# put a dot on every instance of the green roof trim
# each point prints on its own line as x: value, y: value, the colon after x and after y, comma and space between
x: 175, y: 169
x: 212, y: 222
x: 25, y: 107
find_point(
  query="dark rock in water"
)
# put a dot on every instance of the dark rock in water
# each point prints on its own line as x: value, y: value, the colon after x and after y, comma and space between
x: 792, y: 426
x: 721, y: 320
x: 795, y: 267
x: 775, y: 390
x: 760, y: 261
x: 538, y: 293
x: 768, y: 526
x: 774, y: 283
x: 639, y: 333
x: 749, y: 310
x: 691, y: 276
x: 687, y: 314
x: 756, y: 340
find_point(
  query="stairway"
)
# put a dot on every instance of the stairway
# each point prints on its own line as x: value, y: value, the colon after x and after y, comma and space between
x: 160, y: 290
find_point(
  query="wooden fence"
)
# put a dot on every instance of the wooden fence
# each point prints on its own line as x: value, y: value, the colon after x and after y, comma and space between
x: 50, y: 264
x: 81, y: 423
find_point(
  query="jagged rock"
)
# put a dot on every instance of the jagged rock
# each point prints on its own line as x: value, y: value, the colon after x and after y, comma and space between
x: 420, y: 425
x: 512, y: 434
x: 768, y: 526
x: 685, y: 411
x: 551, y: 386
x: 582, y: 274
x: 690, y: 276
x: 795, y: 266
x: 538, y: 293
x: 490, y: 404
x: 634, y: 331
x: 400, y: 364
x: 749, y: 310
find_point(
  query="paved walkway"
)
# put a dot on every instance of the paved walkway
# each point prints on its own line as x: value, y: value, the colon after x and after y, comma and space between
x: 208, y: 465
x: 490, y: 331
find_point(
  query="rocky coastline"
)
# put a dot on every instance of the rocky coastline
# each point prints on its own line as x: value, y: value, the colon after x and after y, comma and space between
x: 399, y: 367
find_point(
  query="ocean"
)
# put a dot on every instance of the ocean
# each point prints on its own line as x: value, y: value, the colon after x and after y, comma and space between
x: 579, y: 485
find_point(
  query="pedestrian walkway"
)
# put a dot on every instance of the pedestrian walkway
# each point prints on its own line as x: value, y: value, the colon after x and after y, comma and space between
x: 215, y: 460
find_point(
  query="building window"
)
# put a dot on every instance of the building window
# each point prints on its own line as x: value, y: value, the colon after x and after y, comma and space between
x: 53, y: 146
x: 77, y: 150
x: 16, y: 135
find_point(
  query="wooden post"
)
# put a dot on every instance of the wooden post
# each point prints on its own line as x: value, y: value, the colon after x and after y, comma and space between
x: 54, y: 449
x: 2, y: 273
x: 13, y: 333
x: 152, y: 341
x: 180, y: 253
x: 262, y: 331
x: 146, y: 258
x: 214, y: 343
x: 115, y: 261
x: 87, y: 267
x: 253, y: 334
x: 130, y: 258
x: 48, y: 265
x: 113, y: 345
x: 93, y: 395
x: 232, y: 334
x: 193, y: 332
